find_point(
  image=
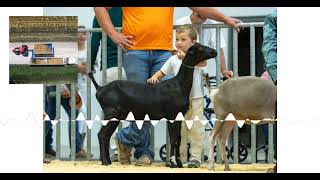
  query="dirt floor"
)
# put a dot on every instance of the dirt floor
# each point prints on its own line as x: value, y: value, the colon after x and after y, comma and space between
x: 57, y: 166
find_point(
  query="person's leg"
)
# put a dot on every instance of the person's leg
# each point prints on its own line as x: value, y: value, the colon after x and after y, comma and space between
x: 184, y: 140
x: 66, y: 106
x: 131, y: 136
x: 143, y: 153
x: 51, y: 111
x: 113, y: 146
x: 137, y: 68
x: 83, y: 94
x: 196, y: 134
x: 156, y: 60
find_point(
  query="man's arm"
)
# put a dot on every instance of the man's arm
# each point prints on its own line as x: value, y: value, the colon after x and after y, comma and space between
x: 214, y: 14
x: 108, y: 28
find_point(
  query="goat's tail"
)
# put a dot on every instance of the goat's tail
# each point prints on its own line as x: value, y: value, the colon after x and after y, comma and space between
x: 93, y: 80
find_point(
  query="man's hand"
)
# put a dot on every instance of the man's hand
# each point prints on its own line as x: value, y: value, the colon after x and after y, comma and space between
x: 153, y: 80
x: 82, y: 68
x: 122, y: 40
x: 227, y: 74
x: 232, y: 22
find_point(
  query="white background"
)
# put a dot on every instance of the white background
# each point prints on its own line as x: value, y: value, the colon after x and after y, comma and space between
x: 298, y: 98
x: 21, y: 110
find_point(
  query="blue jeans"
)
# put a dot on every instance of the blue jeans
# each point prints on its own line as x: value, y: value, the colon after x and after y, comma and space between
x: 140, y: 65
x: 51, y: 111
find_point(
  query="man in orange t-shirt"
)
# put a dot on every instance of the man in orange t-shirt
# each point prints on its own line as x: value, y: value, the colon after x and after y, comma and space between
x: 146, y: 39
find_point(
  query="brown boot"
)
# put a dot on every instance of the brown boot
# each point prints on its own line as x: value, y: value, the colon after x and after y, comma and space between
x: 81, y: 154
x: 144, y: 160
x: 124, y: 153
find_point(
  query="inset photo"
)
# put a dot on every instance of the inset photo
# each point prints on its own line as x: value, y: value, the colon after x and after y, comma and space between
x: 43, y: 49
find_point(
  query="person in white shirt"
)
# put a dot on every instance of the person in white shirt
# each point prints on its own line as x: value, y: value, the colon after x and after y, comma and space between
x: 209, y: 37
x: 186, y: 36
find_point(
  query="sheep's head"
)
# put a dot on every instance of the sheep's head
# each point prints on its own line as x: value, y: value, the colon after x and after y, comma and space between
x: 198, y: 53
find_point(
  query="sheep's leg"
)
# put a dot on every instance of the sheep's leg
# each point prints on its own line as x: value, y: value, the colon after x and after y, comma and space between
x: 212, y: 139
x: 104, y: 136
x: 224, y: 134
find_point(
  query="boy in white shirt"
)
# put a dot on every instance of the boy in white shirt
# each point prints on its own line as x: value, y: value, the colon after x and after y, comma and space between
x: 186, y: 36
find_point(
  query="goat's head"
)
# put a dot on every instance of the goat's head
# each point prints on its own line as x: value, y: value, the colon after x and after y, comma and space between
x: 198, y: 53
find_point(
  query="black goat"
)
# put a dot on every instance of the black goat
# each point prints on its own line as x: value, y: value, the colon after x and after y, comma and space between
x: 163, y: 100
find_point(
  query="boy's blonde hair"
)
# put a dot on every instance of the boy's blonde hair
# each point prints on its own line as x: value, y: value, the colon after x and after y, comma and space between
x: 188, y: 28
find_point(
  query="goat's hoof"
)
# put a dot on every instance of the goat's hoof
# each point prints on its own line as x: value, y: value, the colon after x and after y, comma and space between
x: 106, y: 163
x: 227, y: 169
x: 222, y: 162
x: 172, y: 165
x: 179, y: 163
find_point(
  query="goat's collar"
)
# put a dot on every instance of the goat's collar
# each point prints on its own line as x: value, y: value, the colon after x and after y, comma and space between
x: 187, y: 66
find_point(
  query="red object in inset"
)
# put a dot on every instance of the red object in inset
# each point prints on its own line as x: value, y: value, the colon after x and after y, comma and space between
x: 21, y: 50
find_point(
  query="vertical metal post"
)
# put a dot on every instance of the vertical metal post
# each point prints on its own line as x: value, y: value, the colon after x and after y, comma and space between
x: 168, y: 142
x: 252, y: 52
x: 151, y: 136
x: 44, y: 122
x: 58, y: 125
x: 201, y: 35
x: 119, y: 63
x: 218, y: 78
x: 88, y: 105
x: 218, y: 58
x: 270, y: 146
x: 253, y: 73
x: 104, y: 58
x: 235, y: 70
x: 73, y: 121
x: 235, y: 53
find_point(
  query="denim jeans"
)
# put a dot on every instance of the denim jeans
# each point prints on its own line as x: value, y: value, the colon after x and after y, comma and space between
x: 269, y: 46
x: 51, y: 111
x: 139, y: 66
